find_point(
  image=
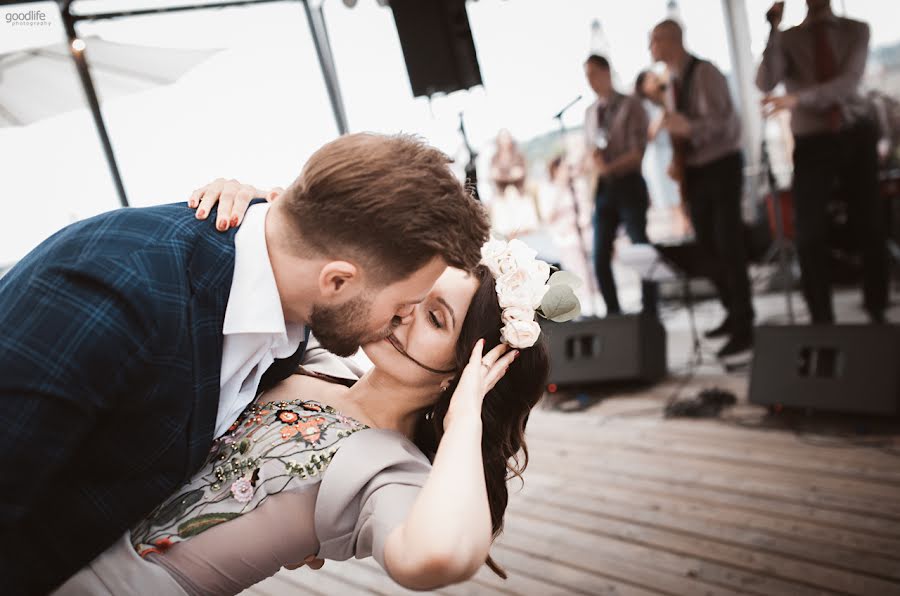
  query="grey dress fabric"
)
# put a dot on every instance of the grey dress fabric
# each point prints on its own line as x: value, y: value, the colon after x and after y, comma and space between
x: 364, y: 488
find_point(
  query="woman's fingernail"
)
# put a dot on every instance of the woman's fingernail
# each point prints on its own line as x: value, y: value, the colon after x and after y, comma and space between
x: 201, y: 213
x: 234, y: 221
x: 221, y: 225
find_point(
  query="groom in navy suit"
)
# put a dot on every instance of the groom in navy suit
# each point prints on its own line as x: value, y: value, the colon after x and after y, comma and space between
x: 131, y: 340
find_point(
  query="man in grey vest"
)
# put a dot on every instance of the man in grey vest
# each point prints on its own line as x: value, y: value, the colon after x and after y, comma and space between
x: 708, y: 164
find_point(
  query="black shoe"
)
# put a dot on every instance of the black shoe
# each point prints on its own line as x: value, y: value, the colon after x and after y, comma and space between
x: 739, y: 342
x: 721, y: 331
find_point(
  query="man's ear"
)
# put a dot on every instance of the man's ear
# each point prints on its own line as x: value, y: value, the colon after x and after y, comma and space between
x: 338, y: 279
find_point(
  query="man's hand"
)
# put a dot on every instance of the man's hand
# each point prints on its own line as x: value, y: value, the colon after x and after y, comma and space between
x: 775, y: 14
x: 677, y: 124
x: 600, y: 165
x: 772, y: 104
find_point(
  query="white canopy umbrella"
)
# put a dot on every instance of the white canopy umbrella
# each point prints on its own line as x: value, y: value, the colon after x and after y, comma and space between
x: 42, y: 82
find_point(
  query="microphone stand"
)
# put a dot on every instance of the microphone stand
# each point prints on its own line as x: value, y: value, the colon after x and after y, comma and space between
x: 589, y: 267
x: 780, y: 244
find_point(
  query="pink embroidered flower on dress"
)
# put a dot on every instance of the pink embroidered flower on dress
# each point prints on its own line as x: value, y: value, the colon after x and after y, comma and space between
x: 242, y: 490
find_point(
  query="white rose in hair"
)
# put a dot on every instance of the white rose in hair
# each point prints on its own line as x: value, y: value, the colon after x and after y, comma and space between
x: 492, y: 253
x: 540, y: 272
x: 517, y: 313
x: 492, y: 249
x: 520, y: 334
x: 506, y: 264
x: 522, y: 287
x: 514, y: 279
x: 521, y: 251
x: 515, y: 296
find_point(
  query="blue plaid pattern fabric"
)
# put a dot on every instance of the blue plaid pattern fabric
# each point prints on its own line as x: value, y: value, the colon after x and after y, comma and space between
x: 110, y: 354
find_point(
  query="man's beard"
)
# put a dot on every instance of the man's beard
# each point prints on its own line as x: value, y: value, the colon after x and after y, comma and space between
x: 342, y: 329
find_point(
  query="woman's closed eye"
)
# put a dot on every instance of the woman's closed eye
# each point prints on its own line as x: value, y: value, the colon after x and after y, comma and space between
x: 434, y: 320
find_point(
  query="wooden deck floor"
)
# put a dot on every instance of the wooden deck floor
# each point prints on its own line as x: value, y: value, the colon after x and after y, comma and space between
x: 618, y: 500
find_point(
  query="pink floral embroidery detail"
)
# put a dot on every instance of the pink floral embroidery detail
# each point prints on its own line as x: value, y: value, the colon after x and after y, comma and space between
x: 242, y: 490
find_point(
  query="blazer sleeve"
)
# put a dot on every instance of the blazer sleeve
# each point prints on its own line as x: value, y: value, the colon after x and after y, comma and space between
x: 71, y: 342
x: 367, y: 492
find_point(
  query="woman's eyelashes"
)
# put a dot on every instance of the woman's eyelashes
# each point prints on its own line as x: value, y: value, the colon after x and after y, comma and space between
x: 434, y: 320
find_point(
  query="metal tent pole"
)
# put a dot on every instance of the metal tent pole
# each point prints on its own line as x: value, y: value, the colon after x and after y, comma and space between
x: 76, y: 47
x: 316, y: 18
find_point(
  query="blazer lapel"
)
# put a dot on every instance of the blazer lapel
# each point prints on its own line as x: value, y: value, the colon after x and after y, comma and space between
x: 210, y: 271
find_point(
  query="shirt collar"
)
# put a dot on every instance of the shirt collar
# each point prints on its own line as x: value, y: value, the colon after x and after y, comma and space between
x: 254, y: 305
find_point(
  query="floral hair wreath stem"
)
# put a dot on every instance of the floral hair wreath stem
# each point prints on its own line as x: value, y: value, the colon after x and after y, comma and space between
x: 525, y: 288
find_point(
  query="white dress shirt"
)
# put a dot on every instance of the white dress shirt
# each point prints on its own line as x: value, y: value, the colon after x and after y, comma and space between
x: 255, y: 330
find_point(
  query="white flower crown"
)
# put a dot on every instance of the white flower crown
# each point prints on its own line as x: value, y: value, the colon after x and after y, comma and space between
x: 525, y: 288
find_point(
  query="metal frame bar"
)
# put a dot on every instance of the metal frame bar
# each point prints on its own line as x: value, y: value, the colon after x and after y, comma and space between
x: 315, y: 18
x: 78, y: 56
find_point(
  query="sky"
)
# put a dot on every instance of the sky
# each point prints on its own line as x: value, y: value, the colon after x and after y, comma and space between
x: 258, y: 108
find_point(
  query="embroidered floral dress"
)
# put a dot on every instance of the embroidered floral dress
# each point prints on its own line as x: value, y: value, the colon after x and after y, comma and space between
x: 288, y: 480
x: 272, y: 447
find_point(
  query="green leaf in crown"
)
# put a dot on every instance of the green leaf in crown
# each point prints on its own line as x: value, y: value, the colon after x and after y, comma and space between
x: 560, y: 304
x: 565, y: 278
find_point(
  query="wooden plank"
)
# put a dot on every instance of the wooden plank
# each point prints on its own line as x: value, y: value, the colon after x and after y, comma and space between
x: 731, y: 430
x: 742, y: 423
x: 597, y: 549
x: 802, y: 489
x: 579, y: 526
x: 787, y: 447
x: 845, y: 453
x: 289, y: 583
x: 486, y: 582
x: 687, y: 503
x: 808, y: 459
x: 630, y: 511
x: 548, y: 575
x: 770, y: 504
x: 593, y: 572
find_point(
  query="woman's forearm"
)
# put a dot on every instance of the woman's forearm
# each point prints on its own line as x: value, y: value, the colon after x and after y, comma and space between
x: 447, y: 535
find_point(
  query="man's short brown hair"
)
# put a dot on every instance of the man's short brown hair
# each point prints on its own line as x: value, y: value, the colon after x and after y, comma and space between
x: 389, y: 202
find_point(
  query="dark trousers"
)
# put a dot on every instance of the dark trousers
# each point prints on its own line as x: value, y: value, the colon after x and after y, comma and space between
x: 621, y: 200
x: 713, y: 194
x: 822, y: 163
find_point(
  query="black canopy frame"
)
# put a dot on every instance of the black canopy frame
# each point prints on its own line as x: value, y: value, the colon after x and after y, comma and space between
x: 314, y: 15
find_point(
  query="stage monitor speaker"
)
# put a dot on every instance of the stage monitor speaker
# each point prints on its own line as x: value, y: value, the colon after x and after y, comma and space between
x: 616, y: 348
x: 437, y: 45
x: 842, y: 368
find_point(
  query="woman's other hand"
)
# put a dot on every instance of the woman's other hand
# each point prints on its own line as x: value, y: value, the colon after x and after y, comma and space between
x: 480, y: 376
x: 233, y: 199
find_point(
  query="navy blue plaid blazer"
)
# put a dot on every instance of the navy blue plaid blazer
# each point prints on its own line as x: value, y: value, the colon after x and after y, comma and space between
x: 110, y: 354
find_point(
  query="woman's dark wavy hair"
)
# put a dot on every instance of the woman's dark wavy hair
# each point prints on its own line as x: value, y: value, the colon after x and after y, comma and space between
x: 506, y: 407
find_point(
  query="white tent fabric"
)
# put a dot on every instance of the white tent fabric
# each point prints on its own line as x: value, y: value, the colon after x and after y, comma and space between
x: 42, y: 82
